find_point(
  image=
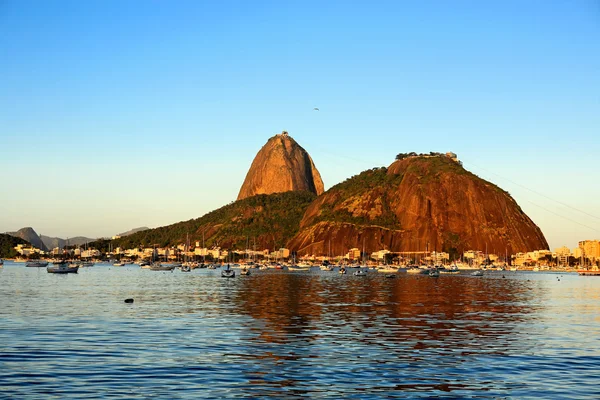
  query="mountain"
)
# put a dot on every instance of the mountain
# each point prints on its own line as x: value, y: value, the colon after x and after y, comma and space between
x: 281, y: 165
x: 53, y: 242
x: 267, y: 221
x: 132, y: 231
x: 29, y: 235
x: 7, y: 244
x: 417, y: 203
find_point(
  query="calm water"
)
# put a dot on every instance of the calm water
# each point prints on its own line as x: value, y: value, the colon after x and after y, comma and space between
x: 314, y: 335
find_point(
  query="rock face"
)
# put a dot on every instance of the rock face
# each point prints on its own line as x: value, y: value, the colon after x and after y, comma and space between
x: 281, y: 165
x: 417, y: 204
x: 29, y: 235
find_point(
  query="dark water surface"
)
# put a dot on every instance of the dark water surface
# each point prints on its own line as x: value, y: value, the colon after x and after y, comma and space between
x: 314, y: 335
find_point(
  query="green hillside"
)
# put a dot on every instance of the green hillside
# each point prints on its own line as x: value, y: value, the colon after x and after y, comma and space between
x: 7, y: 244
x: 268, y: 220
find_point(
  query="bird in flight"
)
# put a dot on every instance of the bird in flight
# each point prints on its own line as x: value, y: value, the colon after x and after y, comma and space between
x: 315, y: 109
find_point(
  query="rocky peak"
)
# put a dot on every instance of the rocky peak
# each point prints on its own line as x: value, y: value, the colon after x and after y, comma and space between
x: 281, y: 165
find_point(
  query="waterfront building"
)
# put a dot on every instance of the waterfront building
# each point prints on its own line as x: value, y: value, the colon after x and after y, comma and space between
x: 379, y: 255
x: 353, y: 254
x: 201, y: 251
x: 590, y: 249
x: 562, y: 254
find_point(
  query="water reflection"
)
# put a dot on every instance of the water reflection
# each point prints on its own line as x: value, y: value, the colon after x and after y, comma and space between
x: 287, y: 334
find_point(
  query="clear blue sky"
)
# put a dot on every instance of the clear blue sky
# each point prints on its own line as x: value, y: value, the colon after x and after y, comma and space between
x: 118, y: 114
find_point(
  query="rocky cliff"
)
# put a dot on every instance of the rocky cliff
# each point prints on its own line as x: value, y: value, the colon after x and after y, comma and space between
x: 415, y: 204
x: 281, y: 165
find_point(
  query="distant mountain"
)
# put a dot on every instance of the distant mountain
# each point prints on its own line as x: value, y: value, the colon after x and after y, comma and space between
x: 7, y: 244
x: 53, y: 242
x: 29, y: 235
x: 135, y: 230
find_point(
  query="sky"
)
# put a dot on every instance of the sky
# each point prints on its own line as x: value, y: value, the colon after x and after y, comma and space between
x: 119, y: 114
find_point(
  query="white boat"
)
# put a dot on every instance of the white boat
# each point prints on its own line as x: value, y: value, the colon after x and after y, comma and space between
x: 245, y: 271
x: 342, y: 271
x: 119, y: 264
x: 159, y: 267
x: 434, y: 273
x: 478, y: 272
x: 87, y: 264
x: 36, y: 264
x: 360, y: 272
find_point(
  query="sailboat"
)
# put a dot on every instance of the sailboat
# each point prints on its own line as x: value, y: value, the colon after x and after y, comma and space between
x: 361, y: 272
x: 157, y: 266
x: 227, y: 272
x: 63, y: 266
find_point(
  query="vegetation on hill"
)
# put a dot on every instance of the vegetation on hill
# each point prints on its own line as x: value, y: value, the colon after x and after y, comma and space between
x: 372, y: 185
x: 7, y: 244
x: 267, y: 220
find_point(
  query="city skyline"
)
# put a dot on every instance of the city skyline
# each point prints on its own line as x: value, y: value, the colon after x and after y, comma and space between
x: 155, y: 117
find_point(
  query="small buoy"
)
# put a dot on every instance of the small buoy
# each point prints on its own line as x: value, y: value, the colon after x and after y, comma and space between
x: 128, y: 300
x: 559, y: 279
x: 503, y: 276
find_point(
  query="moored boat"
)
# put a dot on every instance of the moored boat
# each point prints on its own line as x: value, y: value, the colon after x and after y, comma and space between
x: 594, y: 271
x: 63, y: 268
x: 434, y: 273
x: 36, y: 264
x: 227, y: 272
x: 360, y: 272
x: 478, y: 272
x: 159, y: 267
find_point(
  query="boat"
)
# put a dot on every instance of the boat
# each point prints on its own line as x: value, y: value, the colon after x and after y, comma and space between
x: 186, y: 268
x: 478, y: 272
x: 119, y: 264
x: 434, y: 273
x: 245, y: 271
x: 63, y: 268
x: 594, y: 271
x: 36, y: 264
x: 453, y: 269
x: 360, y: 272
x: 144, y: 264
x: 87, y: 264
x: 342, y: 271
x: 159, y: 267
x: 227, y: 272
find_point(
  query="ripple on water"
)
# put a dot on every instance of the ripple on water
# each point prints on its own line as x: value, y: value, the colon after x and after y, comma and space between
x: 295, y: 334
